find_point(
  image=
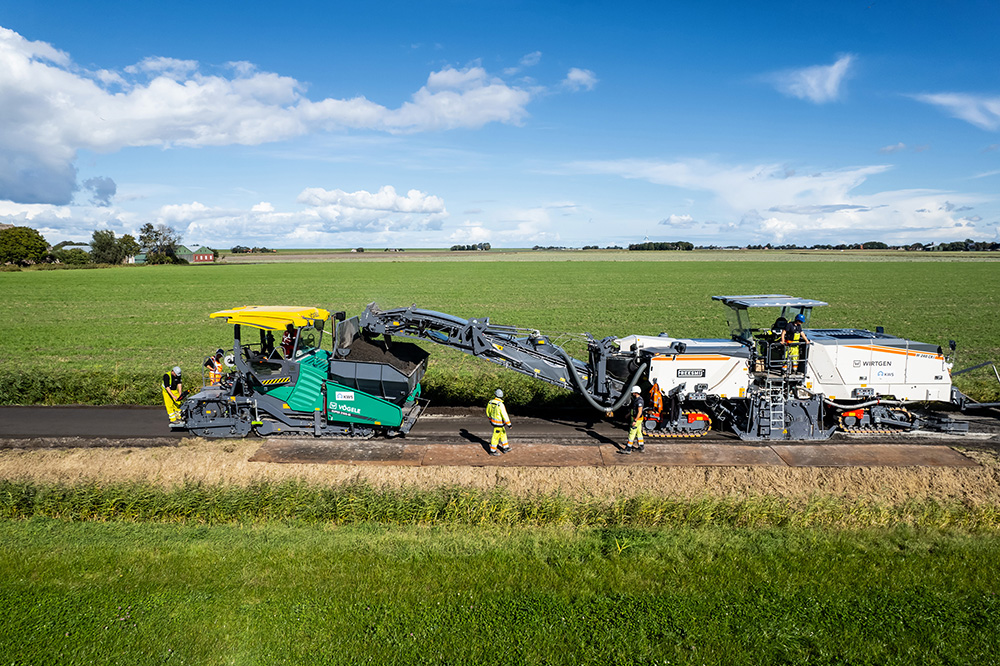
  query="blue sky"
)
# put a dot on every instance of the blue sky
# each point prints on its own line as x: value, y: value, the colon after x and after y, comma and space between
x: 426, y: 124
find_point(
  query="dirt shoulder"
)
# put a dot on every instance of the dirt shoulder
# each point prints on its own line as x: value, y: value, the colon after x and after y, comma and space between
x: 202, y: 461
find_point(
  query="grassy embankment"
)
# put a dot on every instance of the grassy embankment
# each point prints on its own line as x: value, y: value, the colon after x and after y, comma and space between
x: 105, y: 336
x: 286, y: 591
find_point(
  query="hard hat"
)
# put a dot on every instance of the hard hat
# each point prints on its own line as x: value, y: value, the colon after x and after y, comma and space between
x: 177, y: 370
x: 800, y: 317
x: 220, y: 352
x: 499, y: 393
x: 635, y: 389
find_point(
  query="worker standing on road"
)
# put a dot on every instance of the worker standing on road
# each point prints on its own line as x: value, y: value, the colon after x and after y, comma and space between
x: 496, y: 412
x: 792, y: 337
x: 172, y: 390
x: 635, y: 423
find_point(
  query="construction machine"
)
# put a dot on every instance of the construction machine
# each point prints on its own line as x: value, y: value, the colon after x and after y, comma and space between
x: 754, y: 383
x: 354, y: 389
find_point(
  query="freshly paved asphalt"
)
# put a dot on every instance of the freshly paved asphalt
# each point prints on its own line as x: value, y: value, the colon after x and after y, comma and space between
x: 461, y: 438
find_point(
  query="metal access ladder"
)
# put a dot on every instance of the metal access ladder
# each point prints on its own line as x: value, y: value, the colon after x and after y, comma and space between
x: 772, y: 425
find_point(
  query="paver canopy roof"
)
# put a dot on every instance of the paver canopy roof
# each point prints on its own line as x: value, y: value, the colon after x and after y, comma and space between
x: 272, y: 317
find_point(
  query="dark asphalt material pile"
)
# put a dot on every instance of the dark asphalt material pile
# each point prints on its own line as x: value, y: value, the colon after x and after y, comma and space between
x: 404, y: 356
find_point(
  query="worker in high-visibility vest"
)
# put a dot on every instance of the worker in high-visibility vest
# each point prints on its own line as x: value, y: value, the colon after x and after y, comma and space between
x: 792, y: 337
x: 172, y: 390
x: 655, y: 400
x: 496, y: 412
x: 635, y: 408
x: 214, y: 365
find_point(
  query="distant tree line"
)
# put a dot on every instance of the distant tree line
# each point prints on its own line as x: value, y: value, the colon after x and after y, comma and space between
x: 24, y: 246
x: 243, y: 249
x: 679, y: 245
x: 968, y: 245
x: 477, y: 247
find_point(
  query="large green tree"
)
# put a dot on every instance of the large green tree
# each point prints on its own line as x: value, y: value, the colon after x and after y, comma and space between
x: 106, y: 249
x: 159, y: 239
x: 72, y: 256
x: 128, y: 246
x: 22, y: 245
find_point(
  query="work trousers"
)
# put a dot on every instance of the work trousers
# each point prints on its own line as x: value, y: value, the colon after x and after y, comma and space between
x: 499, y: 437
x: 173, y: 407
x: 635, y: 432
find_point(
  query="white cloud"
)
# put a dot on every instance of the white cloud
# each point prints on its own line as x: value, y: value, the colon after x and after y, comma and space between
x: 885, y: 150
x: 580, y: 79
x: 331, y: 218
x: 528, y: 60
x: 385, y: 200
x: 678, y: 221
x: 170, y: 67
x: 741, y: 187
x: 470, y: 232
x: 51, y: 109
x: 981, y: 111
x: 818, y: 84
x: 807, y: 209
x: 531, y: 59
x: 457, y: 79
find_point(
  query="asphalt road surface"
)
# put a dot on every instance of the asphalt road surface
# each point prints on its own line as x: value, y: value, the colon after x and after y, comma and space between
x: 151, y: 423
x: 454, y: 436
x: 441, y: 425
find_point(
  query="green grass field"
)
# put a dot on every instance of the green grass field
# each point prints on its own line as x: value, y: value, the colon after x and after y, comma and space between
x: 105, y: 336
x: 290, y: 573
x: 113, y: 593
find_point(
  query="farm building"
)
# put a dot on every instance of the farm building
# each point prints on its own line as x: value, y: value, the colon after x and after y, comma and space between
x: 203, y: 255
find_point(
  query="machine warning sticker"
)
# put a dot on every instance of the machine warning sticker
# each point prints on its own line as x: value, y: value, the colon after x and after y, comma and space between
x: 690, y: 372
x: 347, y: 396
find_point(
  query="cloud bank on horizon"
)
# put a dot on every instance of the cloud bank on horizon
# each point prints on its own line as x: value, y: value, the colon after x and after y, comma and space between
x: 74, y: 138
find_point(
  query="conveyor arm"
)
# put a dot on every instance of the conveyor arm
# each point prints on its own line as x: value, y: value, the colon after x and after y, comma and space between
x: 519, y: 349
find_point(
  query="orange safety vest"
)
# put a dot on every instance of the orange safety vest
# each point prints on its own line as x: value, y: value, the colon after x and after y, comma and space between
x: 214, y: 370
x: 656, y: 398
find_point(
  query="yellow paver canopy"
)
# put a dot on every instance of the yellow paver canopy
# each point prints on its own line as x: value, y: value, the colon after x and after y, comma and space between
x: 272, y: 317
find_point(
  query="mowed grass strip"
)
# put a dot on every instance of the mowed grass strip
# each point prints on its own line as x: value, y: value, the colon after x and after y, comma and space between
x: 111, y: 593
x: 104, y: 337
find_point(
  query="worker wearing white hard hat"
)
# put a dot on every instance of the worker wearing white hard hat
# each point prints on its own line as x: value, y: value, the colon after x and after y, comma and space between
x: 172, y: 390
x: 635, y: 407
x: 496, y: 412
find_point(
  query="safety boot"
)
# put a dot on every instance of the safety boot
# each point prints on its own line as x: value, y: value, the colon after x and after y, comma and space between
x: 494, y: 452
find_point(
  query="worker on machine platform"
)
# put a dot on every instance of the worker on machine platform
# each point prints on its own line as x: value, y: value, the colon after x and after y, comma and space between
x: 792, y: 337
x: 288, y: 341
x: 173, y: 394
x: 496, y: 412
x: 635, y: 423
x: 655, y: 400
x: 214, y: 365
